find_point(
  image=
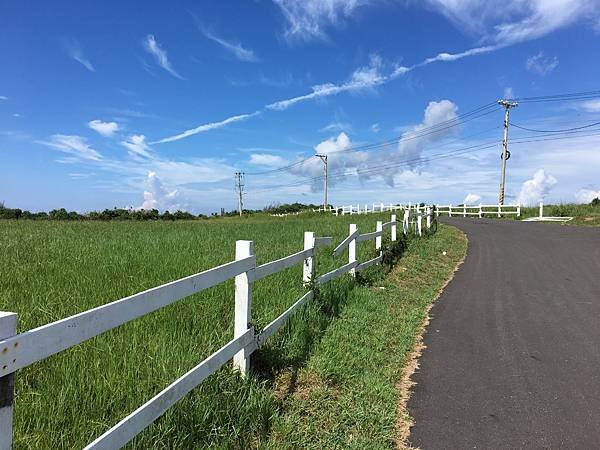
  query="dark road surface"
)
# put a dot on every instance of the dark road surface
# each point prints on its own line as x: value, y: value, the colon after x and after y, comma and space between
x: 513, y: 346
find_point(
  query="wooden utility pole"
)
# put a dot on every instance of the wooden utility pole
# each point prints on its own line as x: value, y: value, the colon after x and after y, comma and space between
x: 324, y: 159
x: 505, y: 153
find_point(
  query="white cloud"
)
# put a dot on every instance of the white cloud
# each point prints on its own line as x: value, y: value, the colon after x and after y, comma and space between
x: 3, y: 97
x: 156, y: 196
x: 106, y: 129
x: 448, y: 57
x: 17, y: 115
x: 206, y: 127
x: 375, y: 128
x: 137, y: 146
x: 363, y: 78
x: 536, y: 189
x: 412, y: 142
x: 541, y: 64
x: 76, y: 146
x: 235, y: 48
x: 587, y: 195
x: 508, y: 93
x: 507, y: 22
x: 590, y: 105
x: 307, y: 19
x: 75, y: 51
x: 264, y: 159
x: 471, y: 199
x: 152, y: 47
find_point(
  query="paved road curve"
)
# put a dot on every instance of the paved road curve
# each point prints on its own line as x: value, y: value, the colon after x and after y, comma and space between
x: 513, y: 347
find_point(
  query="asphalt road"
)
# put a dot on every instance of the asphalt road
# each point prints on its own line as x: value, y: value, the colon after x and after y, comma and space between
x: 512, y: 356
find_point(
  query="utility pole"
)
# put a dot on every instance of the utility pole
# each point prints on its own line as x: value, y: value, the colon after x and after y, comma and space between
x: 239, y: 185
x: 505, y: 153
x: 324, y: 159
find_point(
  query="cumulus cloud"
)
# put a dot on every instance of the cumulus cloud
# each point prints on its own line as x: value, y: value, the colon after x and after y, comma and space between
x: 541, y: 64
x: 413, y: 140
x: 471, y: 199
x: 265, y: 159
x: 76, y: 146
x: 587, y: 195
x: 75, y: 51
x: 156, y: 196
x: 536, y: 189
x: 160, y: 55
x: 106, y: 129
x: 137, y: 146
x: 307, y: 19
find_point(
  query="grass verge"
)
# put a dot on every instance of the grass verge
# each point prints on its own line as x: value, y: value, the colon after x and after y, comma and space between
x: 347, y: 393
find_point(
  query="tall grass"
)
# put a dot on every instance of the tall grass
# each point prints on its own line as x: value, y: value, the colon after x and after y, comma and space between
x: 51, y: 270
x: 588, y: 215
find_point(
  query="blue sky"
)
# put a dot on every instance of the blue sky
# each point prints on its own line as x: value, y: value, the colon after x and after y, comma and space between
x: 110, y: 104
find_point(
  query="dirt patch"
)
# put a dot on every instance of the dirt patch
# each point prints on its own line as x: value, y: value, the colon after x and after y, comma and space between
x: 588, y: 219
x: 301, y: 384
x: 404, y: 422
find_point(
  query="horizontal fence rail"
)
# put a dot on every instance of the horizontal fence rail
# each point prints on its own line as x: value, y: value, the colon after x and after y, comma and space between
x: 478, y: 210
x: 21, y: 350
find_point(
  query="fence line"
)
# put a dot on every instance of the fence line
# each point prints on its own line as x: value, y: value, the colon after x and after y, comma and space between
x: 478, y: 210
x: 21, y: 350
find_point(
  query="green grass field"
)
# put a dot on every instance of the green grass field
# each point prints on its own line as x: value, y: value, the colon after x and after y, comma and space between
x: 50, y: 270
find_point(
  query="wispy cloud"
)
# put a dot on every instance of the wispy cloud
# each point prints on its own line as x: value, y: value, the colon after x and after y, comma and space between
x: 137, y: 146
x: 75, y: 51
x: 206, y: 127
x: 590, y: 105
x: 265, y: 159
x: 235, y: 48
x: 160, y: 55
x: 106, y: 129
x: 76, y: 146
x: 308, y: 19
x: 3, y: 97
x: 541, y: 64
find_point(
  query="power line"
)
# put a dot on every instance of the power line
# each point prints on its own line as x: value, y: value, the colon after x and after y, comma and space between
x: 556, y: 131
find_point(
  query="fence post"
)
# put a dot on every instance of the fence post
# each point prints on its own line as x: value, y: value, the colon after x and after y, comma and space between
x: 405, y: 221
x: 243, y: 305
x: 308, y: 272
x: 352, y: 249
x: 464, y: 210
x: 428, y: 217
x: 419, y: 223
x: 378, y: 238
x: 393, y: 227
x: 519, y: 210
x: 541, y: 209
x: 480, y: 211
x: 8, y: 328
x: 450, y: 210
x: 499, y: 209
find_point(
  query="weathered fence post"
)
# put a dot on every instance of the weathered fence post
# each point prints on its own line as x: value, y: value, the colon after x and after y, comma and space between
x: 428, y: 217
x: 308, y: 272
x: 352, y: 249
x: 8, y: 328
x: 541, y: 209
x: 449, y: 210
x: 243, y: 304
x: 378, y: 238
x: 405, y: 221
x: 419, y: 222
x: 480, y: 211
x: 393, y: 227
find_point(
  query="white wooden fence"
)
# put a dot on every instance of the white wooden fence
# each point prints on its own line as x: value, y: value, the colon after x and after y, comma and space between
x: 478, y: 210
x: 375, y: 208
x: 542, y: 218
x: 21, y: 350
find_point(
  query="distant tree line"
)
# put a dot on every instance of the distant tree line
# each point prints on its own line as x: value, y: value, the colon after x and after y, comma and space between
x: 141, y: 214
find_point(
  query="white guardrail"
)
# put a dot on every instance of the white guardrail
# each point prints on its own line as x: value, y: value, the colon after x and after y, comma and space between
x: 478, y: 210
x: 21, y: 350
